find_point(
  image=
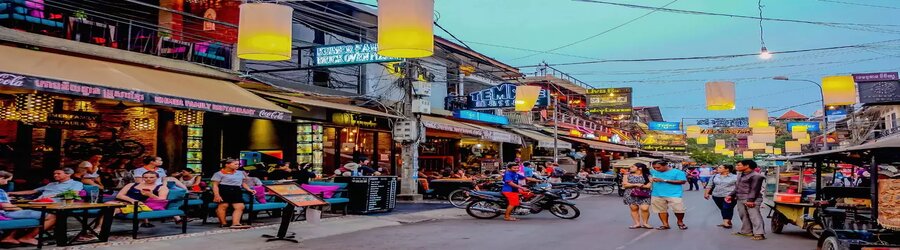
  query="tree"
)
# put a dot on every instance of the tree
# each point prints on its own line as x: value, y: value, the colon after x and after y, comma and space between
x: 704, y: 154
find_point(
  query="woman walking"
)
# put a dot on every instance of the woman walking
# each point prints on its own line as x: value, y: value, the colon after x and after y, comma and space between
x: 721, y: 185
x: 693, y: 177
x: 228, y: 185
x: 637, y: 195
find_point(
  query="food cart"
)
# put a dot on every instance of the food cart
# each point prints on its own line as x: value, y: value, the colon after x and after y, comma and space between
x: 795, y: 189
x: 865, y: 215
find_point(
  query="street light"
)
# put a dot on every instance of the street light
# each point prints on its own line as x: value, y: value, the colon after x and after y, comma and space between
x: 824, y: 107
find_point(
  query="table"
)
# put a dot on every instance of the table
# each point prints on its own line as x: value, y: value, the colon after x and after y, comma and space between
x: 79, y: 211
x: 107, y: 36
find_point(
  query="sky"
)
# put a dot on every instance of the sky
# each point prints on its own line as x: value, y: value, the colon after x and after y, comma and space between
x: 510, y: 30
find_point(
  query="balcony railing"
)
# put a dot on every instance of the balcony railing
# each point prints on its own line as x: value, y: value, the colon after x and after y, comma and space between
x: 62, y: 20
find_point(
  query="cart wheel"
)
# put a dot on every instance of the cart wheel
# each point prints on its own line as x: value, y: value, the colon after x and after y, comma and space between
x: 815, y: 230
x: 777, y: 223
x: 831, y: 243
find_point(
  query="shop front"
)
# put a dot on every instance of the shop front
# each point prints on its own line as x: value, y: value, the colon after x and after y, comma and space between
x: 451, y: 145
x: 540, y: 147
x: 597, y: 153
x: 58, y: 110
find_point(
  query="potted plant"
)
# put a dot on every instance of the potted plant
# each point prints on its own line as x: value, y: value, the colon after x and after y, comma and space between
x: 68, y: 197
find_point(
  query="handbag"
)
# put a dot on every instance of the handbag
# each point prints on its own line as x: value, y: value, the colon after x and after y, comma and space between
x: 130, y: 208
x: 640, y: 193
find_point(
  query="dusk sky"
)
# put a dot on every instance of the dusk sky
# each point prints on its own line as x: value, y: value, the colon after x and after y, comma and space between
x: 511, y: 30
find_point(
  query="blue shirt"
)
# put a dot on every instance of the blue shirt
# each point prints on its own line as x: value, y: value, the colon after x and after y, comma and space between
x: 55, y: 188
x: 668, y: 190
x: 511, y: 176
x: 529, y: 172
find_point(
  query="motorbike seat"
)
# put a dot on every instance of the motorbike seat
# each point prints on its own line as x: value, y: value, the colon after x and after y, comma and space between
x: 489, y: 193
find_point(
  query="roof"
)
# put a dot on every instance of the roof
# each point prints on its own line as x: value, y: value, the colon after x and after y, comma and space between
x: 792, y: 115
x: 653, y: 111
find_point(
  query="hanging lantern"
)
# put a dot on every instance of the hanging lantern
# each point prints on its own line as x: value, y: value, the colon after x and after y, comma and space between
x: 797, y: 134
x: 720, y: 144
x: 758, y: 118
x: 792, y: 147
x: 188, y: 117
x: 838, y: 90
x: 8, y: 112
x: 30, y: 117
x: 777, y: 151
x: 264, y: 32
x: 693, y: 131
x: 720, y: 95
x: 764, y: 134
x: 142, y: 124
x: 526, y: 97
x: 729, y: 153
x: 719, y: 150
x: 406, y: 28
x: 703, y: 140
x: 33, y: 107
x: 747, y: 154
x: 804, y: 140
x: 770, y: 150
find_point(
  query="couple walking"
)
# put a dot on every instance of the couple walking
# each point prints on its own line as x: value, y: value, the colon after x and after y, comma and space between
x: 744, y: 192
x: 659, y: 188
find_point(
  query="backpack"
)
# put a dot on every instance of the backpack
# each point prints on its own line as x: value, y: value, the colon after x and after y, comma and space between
x: 558, y: 172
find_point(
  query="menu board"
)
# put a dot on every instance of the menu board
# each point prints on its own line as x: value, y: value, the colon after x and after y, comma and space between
x: 195, y: 148
x: 371, y: 194
x: 295, y: 194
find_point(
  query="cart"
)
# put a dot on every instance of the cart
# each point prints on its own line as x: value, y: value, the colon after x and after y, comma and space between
x: 794, y: 190
x: 865, y: 215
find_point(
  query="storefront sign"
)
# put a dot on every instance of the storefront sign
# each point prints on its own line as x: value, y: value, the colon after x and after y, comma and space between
x: 502, y: 96
x: 803, y: 126
x: 501, y: 137
x: 479, y: 116
x: 665, y: 126
x: 730, y: 131
x: 88, y: 90
x: 451, y: 128
x: 724, y: 122
x: 359, y: 120
x: 673, y: 148
x: 72, y: 120
x: 347, y: 54
x: 609, y: 101
x: 876, y: 77
x: 879, y: 92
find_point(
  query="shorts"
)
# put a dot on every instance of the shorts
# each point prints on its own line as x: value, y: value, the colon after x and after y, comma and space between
x: 512, y: 198
x: 231, y: 194
x: 23, y: 214
x: 704, y: 179
x: 662, y: 204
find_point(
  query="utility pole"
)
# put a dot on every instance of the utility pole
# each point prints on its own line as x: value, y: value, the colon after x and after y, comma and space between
x: 409, y: 182
x: 555, y: 129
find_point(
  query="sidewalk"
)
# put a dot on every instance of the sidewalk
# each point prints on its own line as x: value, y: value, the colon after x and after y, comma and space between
x: 251, y: 238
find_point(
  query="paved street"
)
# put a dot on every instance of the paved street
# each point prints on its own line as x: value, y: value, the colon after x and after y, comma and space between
x: 602, y: 225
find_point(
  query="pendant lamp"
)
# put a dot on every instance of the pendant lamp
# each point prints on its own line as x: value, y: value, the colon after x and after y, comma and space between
x: 526, y: 97
x: 703, y: 140
x: 189, y: 117
x: 264, y: 32
x: 792, y: 147
x: 747, y: 154
x: 406, y: 28
x: 720, y: 95
x: 838, y: 90
x: 758, y: 118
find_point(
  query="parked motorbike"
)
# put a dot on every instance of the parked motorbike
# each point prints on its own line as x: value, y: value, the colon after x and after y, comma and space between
x: 489, y: 205
x: 460, y: 198
x: 598, y: 187
x: 570, y: 190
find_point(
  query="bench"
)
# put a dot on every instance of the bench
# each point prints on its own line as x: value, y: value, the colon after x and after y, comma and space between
x: 252, y: 207
x: 341, y: 195
x: 25, y: 224
x: 178, y: 202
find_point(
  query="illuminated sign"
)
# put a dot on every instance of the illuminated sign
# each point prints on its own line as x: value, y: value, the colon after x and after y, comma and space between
x: 481, y: 117
x: 724, y: 122
x: 810, y: 126
x: 652, y: 147
x: 664, y: 126
x: 609, y: 101
x: 502, y: 96
x: 347, y: 54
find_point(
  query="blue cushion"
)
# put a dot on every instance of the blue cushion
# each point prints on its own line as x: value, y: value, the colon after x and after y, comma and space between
x: 320, y: 183
x: 4, y: 16
x: 89, y: 211
x: 195, y: 202
x: 19, y: 224
x: 337, y: 200
x: 3, y: 7
x: 268, y: 206
x: 153, y: 214
x: 174, y: 195
x: 21, y: 10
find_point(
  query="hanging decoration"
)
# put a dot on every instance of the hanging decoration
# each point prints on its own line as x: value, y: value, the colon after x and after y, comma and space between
x: 720, y: 144
x: 728, y: 153
x: 804, y: 140
x: 34, y: 107
x: 8, y: 112
x: 777, y: 151
x: 719, y: 150
x: 188, y: 117
x: 264, y: 32
x: 764, y: 134
x: 792, y: 147
x: 747, y: 154
x: 797, y: 134
x: 526, y: 97
x: 693, y: 131
x: 142, y: 124
x: 720, y: 95
x: 83, y: 106
x: 406, y: 28
x: 838, y: 90
x: 703, y: 140
x: 758, y: 118
x: 770, y: 150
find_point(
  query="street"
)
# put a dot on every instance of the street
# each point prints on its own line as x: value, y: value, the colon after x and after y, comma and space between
x: 603, y: 224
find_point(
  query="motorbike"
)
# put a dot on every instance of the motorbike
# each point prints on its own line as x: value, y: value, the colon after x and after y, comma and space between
x: 570, y: 190
x: 460, y: 198
x: 598, y: 186
x: 489, y: 205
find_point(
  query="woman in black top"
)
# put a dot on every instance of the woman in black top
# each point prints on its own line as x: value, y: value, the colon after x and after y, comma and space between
x: 302, y: 174
x: 281, y: 171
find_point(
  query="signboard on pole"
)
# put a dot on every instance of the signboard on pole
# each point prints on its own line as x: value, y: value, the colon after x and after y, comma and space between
x: 609, y: 101
x: 878, y: 88
x: 665, y: 126
x: 673, y: 148
x: 803, y: 126
x: 348, y: 54
x: 502, y: 96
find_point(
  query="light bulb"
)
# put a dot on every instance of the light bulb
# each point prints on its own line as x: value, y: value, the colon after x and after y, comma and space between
x: 764, y: 54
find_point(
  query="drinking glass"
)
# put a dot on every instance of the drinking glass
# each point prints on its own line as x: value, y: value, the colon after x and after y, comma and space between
x: 95, y: 195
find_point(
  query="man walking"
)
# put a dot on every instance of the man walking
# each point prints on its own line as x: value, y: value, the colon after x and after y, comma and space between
x: 748, y: 192
x: 667, y: 192
x: 705, y: 173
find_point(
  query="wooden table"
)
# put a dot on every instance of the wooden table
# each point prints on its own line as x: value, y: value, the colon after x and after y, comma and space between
x: 79, y: 211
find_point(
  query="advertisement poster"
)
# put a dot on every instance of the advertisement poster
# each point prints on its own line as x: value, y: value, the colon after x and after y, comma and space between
x: 609, y: 101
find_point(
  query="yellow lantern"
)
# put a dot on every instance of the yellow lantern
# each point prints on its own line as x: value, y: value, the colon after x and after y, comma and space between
x: 526, y: 97
x: 729, y: 153
x: 792, y: 147
x: 720, y: 144
x: 748, y: 154
x: 764, y: 134
x: 838, y: 90
x: 758, y: 118
x: 804, y: 140
x: 777, y: 151
x: 703, y: 140
x: 720, y: 95
x: 770, y: 150
x: 693, y: 131
x: 797, y: 134
x: 406, y: 28
x: 719, y: 150
x: 264, y: 33
x: 189, y: 117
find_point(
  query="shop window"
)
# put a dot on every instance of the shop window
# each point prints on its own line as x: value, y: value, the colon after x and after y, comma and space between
x: 383, y: 152
x: 310, y: 145
x: 330, y: 144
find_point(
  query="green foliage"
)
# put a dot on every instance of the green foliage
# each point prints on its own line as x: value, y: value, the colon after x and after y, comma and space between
x: 703, y: 154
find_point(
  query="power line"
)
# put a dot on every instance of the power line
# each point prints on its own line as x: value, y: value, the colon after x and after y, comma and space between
x: 598, y: 34
x: 861, y: 4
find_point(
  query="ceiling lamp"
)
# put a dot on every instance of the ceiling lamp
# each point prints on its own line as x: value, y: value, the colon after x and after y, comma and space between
x: 8, y: 112
x: 758, y: 118
x: 189, y: 117
x: 406, y: 28
x: 30, y: 117
x: 34, y: 107
x: 720, y: 95
x: 838, y: 90
x: 526, y: 97
x: 142, y: 124
x: 792, y: 147
x: 264, y: 32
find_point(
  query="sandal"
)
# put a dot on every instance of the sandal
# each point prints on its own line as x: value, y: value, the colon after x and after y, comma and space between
x: 743, y: 234
x: 663, y: 228
x: 647, y: 226
x: 682, y: 227
x: 758, y: 237
x: 634, y: 227
x: 239, y: 226
x: 224, y: 225
x: 726, y: 226
x: 511, y: 219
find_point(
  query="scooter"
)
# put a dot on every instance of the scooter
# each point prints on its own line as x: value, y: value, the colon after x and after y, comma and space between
x: 489, y: 205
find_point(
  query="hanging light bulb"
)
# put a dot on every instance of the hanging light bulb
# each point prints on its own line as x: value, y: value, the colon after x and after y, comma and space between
x: 764, y: 54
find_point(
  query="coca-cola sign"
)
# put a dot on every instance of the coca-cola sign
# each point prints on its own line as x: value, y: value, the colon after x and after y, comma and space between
x: 273, y: 115
x: 12, y: 80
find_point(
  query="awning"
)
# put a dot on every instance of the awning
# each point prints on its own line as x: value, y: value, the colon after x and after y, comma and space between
x: 543, y: 140
x: 497, y: 135
x: 449, y: 125
x: 323, y: 104
x: 598, y: 144
x: 78, y: 76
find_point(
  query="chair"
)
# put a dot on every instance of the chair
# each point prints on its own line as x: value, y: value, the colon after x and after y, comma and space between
x: 341, y: 195
x: 26, y: 224
x: 252, y: 207
x: 177, y: 202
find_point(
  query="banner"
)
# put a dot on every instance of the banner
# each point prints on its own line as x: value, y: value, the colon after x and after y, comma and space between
x: 609, y: 101
x: 348, y: 54
x: 665, y: 126
x: 809, y: 126
x: 673, y: 148
x: 502, y: 96
x: 71, y: 120
x: 742, y: 122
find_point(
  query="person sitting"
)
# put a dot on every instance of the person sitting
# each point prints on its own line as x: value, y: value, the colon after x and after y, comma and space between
x: 281, y: 171
x: 8, y: 210
x: 121, y: 174
x: 364, y: 168
x: 141, y: 193
x: 81, y: 175
x: 189, y: 179
x: 91, y: 170
x: 63, y: 182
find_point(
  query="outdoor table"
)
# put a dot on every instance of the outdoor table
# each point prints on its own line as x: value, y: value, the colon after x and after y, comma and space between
x: 79, y: 211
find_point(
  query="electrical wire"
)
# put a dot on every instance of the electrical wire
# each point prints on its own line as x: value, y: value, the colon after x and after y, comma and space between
x: 862, y: 4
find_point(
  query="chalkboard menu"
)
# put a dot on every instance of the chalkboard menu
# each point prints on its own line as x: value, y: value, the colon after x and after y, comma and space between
x: 370, y: 194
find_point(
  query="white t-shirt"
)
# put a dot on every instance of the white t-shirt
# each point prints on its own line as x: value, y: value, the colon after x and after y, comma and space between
x: 705, y: 172
x: 87, y: 165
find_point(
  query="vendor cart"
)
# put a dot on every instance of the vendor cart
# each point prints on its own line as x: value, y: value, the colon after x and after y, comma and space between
x: 865, y: 214
x: 795, y: 188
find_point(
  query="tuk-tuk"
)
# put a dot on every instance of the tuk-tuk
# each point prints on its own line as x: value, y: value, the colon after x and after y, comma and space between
x: 861, y: 214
